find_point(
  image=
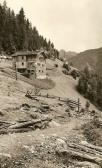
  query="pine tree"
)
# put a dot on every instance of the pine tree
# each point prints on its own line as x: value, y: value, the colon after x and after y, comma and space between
x: 17, y: 33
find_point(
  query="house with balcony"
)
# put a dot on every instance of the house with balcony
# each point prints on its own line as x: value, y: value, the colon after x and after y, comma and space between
x: 30, y: 63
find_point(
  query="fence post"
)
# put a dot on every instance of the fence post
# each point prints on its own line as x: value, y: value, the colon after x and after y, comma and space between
x: 15, y: 72
x: 67, y: 101
x: 47, y: 95
x: 78, y: 105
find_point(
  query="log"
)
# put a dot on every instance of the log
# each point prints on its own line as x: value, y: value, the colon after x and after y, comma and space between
x: 82, y: 152
x: 29, y: 123
x: 86, y: 149
x: 88, y: 164
x: 24, y: 126
x: 97, y: 148
x: 79, y: 156
x: 30, y: 128
x: 19, y: 130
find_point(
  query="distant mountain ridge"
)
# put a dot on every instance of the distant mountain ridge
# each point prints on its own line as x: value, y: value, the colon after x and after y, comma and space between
x: 66, y: 54
x: 93, y: 57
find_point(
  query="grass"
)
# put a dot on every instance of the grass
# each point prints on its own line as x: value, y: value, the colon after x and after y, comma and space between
x: 44, y: 83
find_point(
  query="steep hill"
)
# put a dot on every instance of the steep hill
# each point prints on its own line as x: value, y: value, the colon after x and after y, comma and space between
x: 27, y: 142
x: 93, y: 57
x: 65, y: 86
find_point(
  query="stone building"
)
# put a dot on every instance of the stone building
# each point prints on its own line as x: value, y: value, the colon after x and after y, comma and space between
x: 30, y: 63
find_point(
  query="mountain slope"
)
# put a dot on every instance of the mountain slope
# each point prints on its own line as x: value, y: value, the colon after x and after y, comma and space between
x: 92, y: 57
x: 65, y: 86
x: 66, y: 55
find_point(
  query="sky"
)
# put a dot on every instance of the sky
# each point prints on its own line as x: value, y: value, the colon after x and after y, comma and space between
x: 73, y: 25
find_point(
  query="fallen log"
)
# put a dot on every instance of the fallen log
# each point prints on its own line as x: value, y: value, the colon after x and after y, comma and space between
x: 24, y: 126
x: 92, y: 146
x: 86, y: 164
x: 19, y: 130
x: 86, y: 149
x: 29, y: 123
x: 79, y: 156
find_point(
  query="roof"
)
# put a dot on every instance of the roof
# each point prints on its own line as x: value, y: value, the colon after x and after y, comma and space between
x: 44, y: 53
x: 22, y: 53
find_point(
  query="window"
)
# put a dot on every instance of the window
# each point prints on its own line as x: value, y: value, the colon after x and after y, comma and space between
x: 32, y: 71
x: 22, y: 63
x: 39, y: 70
x: 42, y: 71
x: 38, y: 64
x: 22, y: 57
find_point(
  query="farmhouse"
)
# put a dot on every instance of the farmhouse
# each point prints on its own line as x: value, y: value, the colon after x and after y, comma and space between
x: 30, y: 63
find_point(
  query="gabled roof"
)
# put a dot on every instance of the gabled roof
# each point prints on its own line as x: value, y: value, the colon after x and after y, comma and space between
x: 44, y: 53
x: 24, y: 53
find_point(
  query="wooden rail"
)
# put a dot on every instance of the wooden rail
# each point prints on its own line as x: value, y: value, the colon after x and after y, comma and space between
x: 70, y: 102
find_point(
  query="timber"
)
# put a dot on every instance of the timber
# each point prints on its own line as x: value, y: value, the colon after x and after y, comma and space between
x: 24, y: 126
x: 79, y: 152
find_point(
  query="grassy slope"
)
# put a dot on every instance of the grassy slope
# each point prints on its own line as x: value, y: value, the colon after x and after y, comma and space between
x: 13, y: 92
x: 65, y: 86
x: 18, y: 145
x: 5, y: 67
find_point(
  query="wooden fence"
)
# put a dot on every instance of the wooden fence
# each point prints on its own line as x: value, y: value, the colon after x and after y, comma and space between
x: 71, y: 103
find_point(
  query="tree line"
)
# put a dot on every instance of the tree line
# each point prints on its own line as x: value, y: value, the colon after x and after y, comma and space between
x: 90, y: 85
x: 17, y: 33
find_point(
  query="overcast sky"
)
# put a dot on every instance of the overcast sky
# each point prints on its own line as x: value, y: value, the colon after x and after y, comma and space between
x: 71, y: 24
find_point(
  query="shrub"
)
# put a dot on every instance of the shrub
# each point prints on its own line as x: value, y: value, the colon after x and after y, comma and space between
x: 75, y: 74
x: 93, y: 131
x: 66, y: 66
x: 65, y: 72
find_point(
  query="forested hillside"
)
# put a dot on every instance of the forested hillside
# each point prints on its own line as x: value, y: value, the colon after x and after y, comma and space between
x: 93, y: 57
x: 17, y: 33
x: 90, y: 85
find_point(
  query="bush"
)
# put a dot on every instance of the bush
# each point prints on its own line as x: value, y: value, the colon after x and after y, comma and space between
x: 65, y: 72
x: 66, y: 66
x: 93, y: 131
x: 75, y: 74
x: 56, y: 65
x: 82, y: 110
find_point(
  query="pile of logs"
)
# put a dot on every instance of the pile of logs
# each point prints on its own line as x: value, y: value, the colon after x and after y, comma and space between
x: 81, y: 153
x: 23, y: 126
